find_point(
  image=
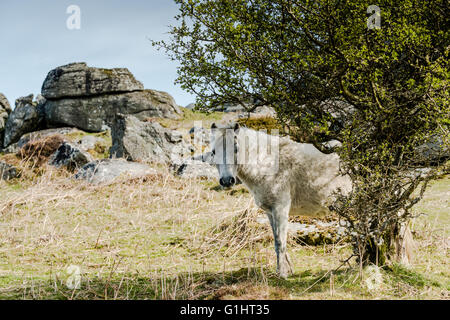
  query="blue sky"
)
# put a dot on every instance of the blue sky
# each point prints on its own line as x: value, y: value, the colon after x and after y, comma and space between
x: 34, y: 39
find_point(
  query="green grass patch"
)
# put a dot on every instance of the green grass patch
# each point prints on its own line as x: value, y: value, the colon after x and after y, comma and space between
x: 189, y: 117
x: 411, y: 277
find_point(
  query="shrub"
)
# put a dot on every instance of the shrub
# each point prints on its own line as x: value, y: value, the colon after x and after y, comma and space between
x: 38, y: 152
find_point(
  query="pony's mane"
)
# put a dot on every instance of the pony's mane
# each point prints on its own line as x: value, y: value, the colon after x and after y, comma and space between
x: 254, y: 136
x: 260, y: 133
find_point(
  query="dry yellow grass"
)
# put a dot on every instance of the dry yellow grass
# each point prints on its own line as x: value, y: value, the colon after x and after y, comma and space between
x: 162, y: 237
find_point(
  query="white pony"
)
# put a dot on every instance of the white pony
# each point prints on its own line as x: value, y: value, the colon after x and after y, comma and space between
x: 283, y: 176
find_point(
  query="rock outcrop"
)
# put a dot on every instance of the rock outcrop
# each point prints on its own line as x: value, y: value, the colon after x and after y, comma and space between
x: 69, y: 156
x: 37, y: 135
x: 107, y: 170
x: 5, y: 110
x: 433, y: 152
x: 7, y: 172
x: 197, y: 169
x: 89, y: 98
x: 95, y: 114
x: 79, y: 80
x: 135, y: 140
x: 4, y: 104
x: 28, y: 116
x: 40, y: 134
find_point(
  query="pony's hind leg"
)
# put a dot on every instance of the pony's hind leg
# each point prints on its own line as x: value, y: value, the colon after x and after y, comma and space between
x: 278, y: 218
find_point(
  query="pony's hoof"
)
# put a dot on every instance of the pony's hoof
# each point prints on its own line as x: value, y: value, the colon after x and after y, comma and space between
x: 283, y: 276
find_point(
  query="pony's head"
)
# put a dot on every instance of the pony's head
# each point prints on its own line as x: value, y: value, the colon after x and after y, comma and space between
x: 224, y: 145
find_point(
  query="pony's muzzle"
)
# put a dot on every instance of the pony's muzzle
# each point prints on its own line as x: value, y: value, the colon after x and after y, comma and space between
x: 227, y: 181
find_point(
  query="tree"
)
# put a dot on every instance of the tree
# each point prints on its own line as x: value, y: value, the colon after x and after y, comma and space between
x: 380, y: 91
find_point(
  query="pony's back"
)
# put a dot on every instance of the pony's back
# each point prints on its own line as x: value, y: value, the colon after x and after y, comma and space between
x: 314, y: 176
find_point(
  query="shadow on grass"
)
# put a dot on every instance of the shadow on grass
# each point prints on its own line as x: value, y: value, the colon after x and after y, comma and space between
x: 251, y: 283
x: 411, y: 278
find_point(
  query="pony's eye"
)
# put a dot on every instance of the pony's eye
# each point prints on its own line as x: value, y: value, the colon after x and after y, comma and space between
x: 213, y: 152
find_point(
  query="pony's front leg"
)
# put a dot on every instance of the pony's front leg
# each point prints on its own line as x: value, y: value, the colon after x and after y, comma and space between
x: 279, y: 220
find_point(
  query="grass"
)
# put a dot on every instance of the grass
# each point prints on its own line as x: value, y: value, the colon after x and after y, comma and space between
x: 163, y: 237
x: 190, y: 117
x: 101, y: 147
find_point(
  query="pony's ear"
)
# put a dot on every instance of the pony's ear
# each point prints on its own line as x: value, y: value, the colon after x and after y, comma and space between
x: 213, y: 126
x: 236, y: 127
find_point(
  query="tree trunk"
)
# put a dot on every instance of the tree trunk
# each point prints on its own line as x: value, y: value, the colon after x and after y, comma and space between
x: 398, y: 246
x: 404, y: 246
